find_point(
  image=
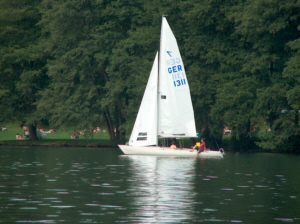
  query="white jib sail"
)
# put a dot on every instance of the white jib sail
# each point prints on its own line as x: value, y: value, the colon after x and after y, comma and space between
x: 176, y: 114
x: 144, y: 131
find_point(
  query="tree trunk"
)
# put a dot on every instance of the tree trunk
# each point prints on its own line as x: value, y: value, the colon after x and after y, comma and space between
x: 244, y: 136
x: 109, y: 124
x: 32, y: 132
x: 122, y: 133
x: 272, y: 118
x: 117, y: 100
x: 296, y: 118
x: 117, y: 123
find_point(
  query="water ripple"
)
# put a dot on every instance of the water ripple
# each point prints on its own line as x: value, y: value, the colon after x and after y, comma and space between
x: 36, y: 221
x: 63, y: 206
x: 284, y: 219
x: 99, y: 186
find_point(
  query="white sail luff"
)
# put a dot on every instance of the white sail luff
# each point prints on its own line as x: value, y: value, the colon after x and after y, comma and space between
x: 144, y: 131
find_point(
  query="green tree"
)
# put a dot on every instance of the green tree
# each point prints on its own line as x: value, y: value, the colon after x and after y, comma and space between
x: 213, y: 58
x: 236, y: 54
x: 94, y: 51
x: 22, y: 62
x: 266, y: 27
x: 72, y: 99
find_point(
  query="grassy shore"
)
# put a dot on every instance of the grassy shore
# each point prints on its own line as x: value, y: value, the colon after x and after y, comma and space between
x: 61, y: 142
x: 59, y: 138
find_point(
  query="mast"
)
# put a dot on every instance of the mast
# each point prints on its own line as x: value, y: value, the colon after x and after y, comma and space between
x: 158, y: 91
x: 158, y: 67
x: 158, y: 88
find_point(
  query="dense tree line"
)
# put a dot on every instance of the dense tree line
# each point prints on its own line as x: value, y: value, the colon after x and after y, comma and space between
x: 76, y: 64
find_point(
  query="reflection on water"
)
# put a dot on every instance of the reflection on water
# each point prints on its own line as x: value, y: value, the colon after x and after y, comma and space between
x: 79, y: 185
x: 161, y: 188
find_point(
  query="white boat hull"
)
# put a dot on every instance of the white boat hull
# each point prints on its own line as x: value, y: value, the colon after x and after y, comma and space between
x: 166, y: 151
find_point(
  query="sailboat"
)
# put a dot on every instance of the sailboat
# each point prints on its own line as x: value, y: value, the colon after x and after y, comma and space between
x: 166, y: 110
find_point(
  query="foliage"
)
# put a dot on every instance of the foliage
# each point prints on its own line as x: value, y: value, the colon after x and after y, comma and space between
x: 22, y: 62
x: 77, y: 64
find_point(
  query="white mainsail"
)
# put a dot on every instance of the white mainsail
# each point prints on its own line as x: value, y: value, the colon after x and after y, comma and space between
x: 144, y: 131
x: 176, y: 114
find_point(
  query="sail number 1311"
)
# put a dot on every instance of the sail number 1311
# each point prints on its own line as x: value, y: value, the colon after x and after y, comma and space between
x: 177, y: 75
x: 179, y: 82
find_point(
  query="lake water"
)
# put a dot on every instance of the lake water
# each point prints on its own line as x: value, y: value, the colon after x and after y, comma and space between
x: 82, y: 185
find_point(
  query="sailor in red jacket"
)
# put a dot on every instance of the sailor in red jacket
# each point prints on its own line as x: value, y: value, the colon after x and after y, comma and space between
x: 201, y: 148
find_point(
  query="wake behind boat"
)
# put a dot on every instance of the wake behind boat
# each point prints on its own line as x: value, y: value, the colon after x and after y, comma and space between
x: 166, y: 110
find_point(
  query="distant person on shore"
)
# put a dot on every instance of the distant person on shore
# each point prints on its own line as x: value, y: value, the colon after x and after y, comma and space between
x: 74, y: 135
x: 19, y: 136
x: 26, y: 135
x: 97, y: 130
x: 200, y: 148
x: 24, y: 129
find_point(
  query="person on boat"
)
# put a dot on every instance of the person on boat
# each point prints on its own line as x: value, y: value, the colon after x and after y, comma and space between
x: 173, y: 146
x: 201, y: 148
